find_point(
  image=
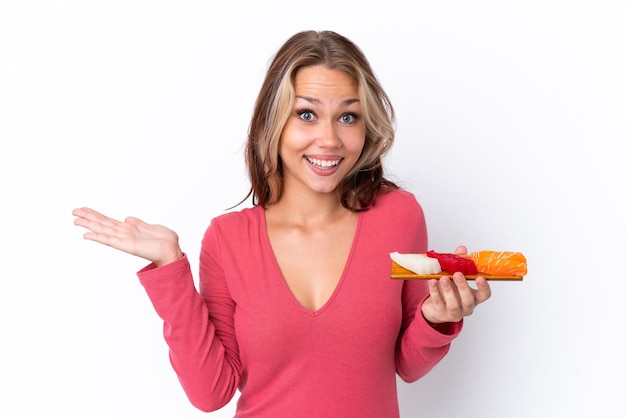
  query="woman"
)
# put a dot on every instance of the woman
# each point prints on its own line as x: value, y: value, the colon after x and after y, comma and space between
x: 295, y: 307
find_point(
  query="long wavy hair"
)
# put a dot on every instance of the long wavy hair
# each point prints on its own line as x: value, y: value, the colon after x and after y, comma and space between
x: 361, y: 186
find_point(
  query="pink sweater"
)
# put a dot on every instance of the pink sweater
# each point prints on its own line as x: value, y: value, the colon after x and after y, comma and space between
x: 244, y: 330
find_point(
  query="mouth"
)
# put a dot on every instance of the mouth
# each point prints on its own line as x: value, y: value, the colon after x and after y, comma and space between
x: 323, y: 164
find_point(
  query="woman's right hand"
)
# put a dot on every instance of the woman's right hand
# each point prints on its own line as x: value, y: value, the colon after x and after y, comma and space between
x: 155, y: 243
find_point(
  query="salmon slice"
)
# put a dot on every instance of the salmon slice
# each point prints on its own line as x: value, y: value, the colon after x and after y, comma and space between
x: 499, y: 263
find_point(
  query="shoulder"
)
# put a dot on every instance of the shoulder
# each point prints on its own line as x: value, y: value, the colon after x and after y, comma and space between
x: 241, y: 214
x: 233, y: 232
x: 398, y: 222
x: 234, y: 221
x: 397, y: 201
x: 396, y: 207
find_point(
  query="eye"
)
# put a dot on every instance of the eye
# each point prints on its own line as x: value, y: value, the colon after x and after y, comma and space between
x: 306, y: 114
x: 349, y: 118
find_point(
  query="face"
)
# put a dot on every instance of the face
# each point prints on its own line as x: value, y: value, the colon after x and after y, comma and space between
x: 324, y: 134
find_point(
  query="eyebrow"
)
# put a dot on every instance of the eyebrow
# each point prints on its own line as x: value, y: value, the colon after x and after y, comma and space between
x: 313, y: 100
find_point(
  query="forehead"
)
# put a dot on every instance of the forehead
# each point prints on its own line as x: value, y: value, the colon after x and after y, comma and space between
x: 321, y: 80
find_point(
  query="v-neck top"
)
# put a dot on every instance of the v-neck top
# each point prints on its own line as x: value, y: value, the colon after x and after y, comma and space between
x: 278, y: 272
x: 244, y: 329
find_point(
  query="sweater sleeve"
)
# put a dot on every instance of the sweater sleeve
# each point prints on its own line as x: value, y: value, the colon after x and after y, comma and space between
x: 420, y: 347
x: 200, y: 359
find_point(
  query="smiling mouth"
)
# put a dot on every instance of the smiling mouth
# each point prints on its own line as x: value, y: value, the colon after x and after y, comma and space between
x: 322, y: 164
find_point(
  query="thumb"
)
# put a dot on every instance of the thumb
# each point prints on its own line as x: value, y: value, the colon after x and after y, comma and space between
x: 461, y: 249
x: 133, y: 221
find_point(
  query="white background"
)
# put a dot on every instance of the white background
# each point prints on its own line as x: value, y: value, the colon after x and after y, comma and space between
x: 511, y: 117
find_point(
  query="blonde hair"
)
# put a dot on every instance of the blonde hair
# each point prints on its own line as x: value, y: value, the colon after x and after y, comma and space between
x: 363, y: 183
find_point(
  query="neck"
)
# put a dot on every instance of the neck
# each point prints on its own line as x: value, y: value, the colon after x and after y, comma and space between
x: 308, y: 209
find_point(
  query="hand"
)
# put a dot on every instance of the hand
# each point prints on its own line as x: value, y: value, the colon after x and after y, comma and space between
x: 452, y: 299
x: 155, y: 243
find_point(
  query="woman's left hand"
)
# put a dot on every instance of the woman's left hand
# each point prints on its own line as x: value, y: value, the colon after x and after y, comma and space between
x: 451, y: 298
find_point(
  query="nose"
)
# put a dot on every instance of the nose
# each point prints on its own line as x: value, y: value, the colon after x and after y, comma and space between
x: 328, y: 135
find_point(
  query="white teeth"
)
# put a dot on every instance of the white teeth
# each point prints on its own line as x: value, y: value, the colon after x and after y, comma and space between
x: 323, y: 163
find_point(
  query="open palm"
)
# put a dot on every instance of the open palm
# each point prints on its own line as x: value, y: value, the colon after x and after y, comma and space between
x: 155, y: 243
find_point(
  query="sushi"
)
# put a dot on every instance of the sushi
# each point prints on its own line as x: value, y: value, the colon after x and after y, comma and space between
x: 492, y: 265
x: 499, y: 263
x: 417, y: 263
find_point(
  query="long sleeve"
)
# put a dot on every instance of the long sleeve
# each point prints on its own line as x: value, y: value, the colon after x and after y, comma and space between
x: 420, y: 347
x: 197, y: 355
x: 244, y: 330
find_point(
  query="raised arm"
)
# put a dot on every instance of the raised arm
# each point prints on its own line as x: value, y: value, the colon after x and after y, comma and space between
x: 206, y: 369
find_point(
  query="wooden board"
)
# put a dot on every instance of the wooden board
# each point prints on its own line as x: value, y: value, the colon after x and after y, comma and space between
x: 400, y: 273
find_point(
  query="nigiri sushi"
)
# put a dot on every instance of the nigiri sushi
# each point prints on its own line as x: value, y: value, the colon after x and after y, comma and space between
x: 503, y: 263
x: 454, y: 262
x: 417, y: 263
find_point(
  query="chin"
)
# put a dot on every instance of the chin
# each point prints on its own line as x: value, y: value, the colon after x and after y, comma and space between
x: 325, y: 190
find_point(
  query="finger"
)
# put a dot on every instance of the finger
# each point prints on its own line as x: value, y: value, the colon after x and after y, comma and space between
x: 87, y: 213
x: 450, y: 298
x: 118, y: 239
x: 99, y: 237
x: 461, y: 249
x: 87, y: 216
x: 80, y: 211
x: 435, y: 293
x: 484, y: 290
x: 466, y: 294
x: 103, y: 229
x: 82, y: 214
x: 98, y: 223
x: 133, y: 221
